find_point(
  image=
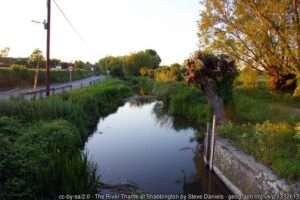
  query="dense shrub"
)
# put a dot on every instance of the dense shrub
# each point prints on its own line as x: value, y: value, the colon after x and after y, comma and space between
x: 18, y: 67
x: 40, y: 142
x: 189, y: 103
x: 142, y: 85
x: 179, y: 98
x: 172, y: 73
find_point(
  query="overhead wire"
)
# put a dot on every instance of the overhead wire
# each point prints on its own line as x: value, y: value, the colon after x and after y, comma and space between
x: 68, y: 20
x: 72, y: 25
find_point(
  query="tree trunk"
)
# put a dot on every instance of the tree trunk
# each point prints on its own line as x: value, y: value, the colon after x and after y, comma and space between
x: 214, y: 100
x: 286, y: 82
x: 36, y: 76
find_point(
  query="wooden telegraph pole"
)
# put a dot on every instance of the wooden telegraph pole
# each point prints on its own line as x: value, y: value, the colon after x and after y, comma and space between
x: 48, y: 28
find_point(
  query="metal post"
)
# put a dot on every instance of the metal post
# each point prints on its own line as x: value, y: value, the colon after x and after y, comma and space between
x: 48, y: 27
x: 212, y: 144
x: 206, y: 143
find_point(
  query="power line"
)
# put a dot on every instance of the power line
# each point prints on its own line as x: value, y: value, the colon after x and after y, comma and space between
x: 69, y: 22
x: 88, y: 48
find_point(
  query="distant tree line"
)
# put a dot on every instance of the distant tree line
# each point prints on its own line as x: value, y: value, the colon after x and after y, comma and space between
x: 165, y: 73
x: 129, y: 65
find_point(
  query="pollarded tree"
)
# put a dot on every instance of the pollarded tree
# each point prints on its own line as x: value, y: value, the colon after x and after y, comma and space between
x: 215, y: 76
x: 263, y: 35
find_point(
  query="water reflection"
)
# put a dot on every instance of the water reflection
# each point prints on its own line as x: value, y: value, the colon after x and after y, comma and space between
x: 141, y: 144
x: 162, y: 118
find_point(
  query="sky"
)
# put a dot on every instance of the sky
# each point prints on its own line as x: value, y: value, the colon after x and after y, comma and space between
x: 107, y: 27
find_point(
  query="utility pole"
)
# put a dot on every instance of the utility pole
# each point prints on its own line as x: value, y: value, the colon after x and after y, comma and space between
x: 48, y: 28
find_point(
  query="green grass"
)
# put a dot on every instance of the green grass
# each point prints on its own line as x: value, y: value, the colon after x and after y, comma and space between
x: 179, y: 99
x: 40, y: 142
x: 266, y: 126
x: 10, y: 78
x: 260, y: 104
x: 275, y: 144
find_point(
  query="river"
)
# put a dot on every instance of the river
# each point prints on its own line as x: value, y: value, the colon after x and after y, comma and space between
x: 141, y: 145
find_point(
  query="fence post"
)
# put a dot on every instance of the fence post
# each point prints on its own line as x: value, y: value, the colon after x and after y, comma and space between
x: 212, y: 143
x: 206, y: 143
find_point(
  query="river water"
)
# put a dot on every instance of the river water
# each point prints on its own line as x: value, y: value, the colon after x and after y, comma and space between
x: 141, y: 145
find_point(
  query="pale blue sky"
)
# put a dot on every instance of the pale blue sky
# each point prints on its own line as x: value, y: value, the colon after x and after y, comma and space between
x: 110, y: 27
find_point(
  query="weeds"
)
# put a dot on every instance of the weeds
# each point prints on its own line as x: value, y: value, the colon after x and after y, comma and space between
x: 274, y: 143
x: 40, y: 142
x: 179, y: 98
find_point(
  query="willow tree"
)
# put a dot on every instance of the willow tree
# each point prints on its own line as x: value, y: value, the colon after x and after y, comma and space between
x: 214, y: 74
x: 263, y: 35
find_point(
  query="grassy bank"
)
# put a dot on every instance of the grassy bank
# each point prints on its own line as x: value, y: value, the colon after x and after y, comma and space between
x: 266, y: 125
x: 180, y: 99
x: 40, y: 142
x: 10, y: 78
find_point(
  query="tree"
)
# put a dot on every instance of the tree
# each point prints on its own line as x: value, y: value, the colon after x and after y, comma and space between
x: 4, y: 52
x: 263, y: 35
x: 36, y: 58
x: 135, y: 61
x: 55, y: 62
x: 248, y: 78
x: 215, y: 76
x: 168, y: 73
x: 78, y: 64
x: 111, y: 64
x: 155, y: 58
x: 129, y: 65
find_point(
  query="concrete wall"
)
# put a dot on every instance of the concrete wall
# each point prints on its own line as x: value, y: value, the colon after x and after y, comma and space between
x: 244, y: 175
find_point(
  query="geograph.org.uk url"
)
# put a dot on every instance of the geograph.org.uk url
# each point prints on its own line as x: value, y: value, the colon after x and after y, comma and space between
x: 178, y: 197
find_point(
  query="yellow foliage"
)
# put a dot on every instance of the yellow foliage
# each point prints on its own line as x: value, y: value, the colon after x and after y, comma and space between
x: 297, y: 128
x: 275, y: 128
x: 145, y: 71
x: 297, y: 91
x: 249, y: 78
x: 166, y: 74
